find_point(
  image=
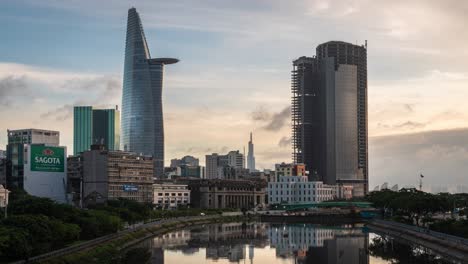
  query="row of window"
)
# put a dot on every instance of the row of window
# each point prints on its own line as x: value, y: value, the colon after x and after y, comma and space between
x: 172, y: 194
x: 306, y: 199
x: 167, y: 201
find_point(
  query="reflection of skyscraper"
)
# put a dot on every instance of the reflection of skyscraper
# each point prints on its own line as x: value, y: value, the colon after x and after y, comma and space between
x: 142, y: 115
x: 157, y: 256
x: 251, y: 252
x: 250, y: 156
x: 343, y: 249
x: 329, y: 114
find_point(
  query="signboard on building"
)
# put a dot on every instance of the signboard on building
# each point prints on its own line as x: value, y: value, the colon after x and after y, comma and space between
x: 45, y: 171
x: 47, y: 159
x: 130, y: 188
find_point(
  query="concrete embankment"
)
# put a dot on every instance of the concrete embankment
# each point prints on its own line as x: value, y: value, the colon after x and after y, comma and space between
x: 105, y: 249
x: 313, y: 218
x: 453, y: 247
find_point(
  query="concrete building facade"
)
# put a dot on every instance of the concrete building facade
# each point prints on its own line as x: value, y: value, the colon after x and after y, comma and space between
x: 289, y: 169
x: 17, y: 139
x: 170, y: 195
x: 3, y: 170
x: 109, y: 175
x: 4, y: 195
x: 45, y: 171
x: 329, y: 115
x: 216, y: 194
x: 297, y: 189
x: 218, y: 165
x: 186, y: 160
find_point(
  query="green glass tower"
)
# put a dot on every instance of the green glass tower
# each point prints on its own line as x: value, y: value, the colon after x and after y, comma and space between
x: 95, y: 126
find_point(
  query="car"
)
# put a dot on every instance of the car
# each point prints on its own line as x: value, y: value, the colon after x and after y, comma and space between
x: 202, y: 214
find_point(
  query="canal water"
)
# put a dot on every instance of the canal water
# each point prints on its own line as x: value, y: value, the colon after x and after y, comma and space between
x: 264, y: 243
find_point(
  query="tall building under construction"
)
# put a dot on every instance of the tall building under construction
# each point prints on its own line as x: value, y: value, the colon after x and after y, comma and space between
x: 329, y: 114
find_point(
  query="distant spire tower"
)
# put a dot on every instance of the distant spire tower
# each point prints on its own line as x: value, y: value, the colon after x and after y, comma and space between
x: 250, y: 156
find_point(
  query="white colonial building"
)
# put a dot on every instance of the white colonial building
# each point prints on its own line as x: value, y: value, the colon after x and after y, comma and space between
x: 170, y: 196
x: 297, y: 189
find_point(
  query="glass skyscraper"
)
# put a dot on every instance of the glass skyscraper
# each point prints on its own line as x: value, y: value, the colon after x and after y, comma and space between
x: 142, y: 114
x: 95, y: 126
x: 329, y: 114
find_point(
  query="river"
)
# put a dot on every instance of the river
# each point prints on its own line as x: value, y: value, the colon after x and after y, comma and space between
x: 264, y: 243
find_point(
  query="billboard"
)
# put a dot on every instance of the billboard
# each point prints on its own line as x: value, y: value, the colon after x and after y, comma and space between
x: 47, y: 159
x: 45, y: 171
x: 130, y: 188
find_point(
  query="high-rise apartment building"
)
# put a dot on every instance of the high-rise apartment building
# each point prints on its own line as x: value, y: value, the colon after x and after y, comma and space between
x: 216, y: 165
x: 250, y: 156
x: 17, y: 139
x: 142, y: 114
x: 95, y: 126
x: 329, y: 114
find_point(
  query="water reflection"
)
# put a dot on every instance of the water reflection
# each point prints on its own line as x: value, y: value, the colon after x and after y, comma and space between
x: 270, y: 243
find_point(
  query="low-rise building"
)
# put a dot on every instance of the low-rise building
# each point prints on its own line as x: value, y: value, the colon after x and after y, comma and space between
x: 343, y: 191
x: 289, y: 169
x: 170, y: 195
x: 297, y: 189
x: 191, y: 171
x: 217, y: 194
x: 110, y: 175
x: 4, y: 193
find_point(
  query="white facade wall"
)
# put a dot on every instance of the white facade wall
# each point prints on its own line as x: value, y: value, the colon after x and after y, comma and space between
x: 43, y: 183
x: 169, y: 196
x: 297, y: 189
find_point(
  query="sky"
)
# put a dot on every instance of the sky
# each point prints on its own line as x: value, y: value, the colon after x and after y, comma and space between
x: 234, y: 73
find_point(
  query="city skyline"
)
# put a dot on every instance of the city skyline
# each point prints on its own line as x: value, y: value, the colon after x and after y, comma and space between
x: 403, y: 91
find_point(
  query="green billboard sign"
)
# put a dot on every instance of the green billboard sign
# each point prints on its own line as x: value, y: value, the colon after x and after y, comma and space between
x: 49, y: 159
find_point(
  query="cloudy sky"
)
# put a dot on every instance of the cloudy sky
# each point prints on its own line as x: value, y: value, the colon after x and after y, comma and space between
x: 234, y: 74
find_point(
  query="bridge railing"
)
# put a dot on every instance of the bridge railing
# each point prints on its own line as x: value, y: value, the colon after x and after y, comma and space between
x: 443, y: 236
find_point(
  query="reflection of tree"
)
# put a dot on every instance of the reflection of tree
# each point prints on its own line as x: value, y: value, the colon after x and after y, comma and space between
x: 137, y: 255
x: 399, y: 253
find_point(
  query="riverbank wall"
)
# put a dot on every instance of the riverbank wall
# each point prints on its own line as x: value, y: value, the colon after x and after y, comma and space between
x: 452, y: 247
x: 105, y: 249
x: 316, y: 219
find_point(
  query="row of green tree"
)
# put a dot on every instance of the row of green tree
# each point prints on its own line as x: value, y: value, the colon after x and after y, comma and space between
x: 38, y: 225
x: 435, y: 211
